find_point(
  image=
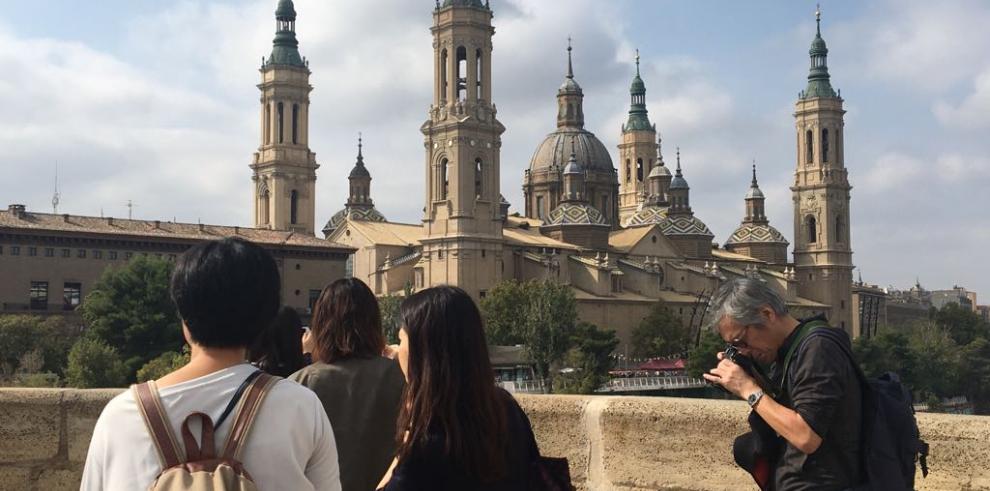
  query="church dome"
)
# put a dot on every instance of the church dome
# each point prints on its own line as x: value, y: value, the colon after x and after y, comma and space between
x: 647, y: 216
x: 570, y: 85
x: 555, y: 150
x: 678, y: 182
x: 659, y: 171
x: 369, y: 214
x: 754, y: 193
x: 571, y: 213
x: 359, y: 170
x: 684, y: 225
x: 463, y: 3
x: 749, y: 233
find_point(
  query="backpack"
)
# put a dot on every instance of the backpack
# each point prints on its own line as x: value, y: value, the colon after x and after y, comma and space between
x: 199, y: 468
x: 891, y: 443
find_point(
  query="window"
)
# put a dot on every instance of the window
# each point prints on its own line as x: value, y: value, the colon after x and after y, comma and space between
x: 482, y: 253
x: 842, y: 304
x: 71, y: 296
x: 461, y: 73
x: 824, y: 144
x: 540, y: 211
x: 66, y: 253
x: 639, y: 170
x: 840, y: 229
x: 97, y: 254
x: 268, y: 124
x: 112, y: 255
x: 15, y: 250
x: 628, y: 170
x: 616, y: 284
x: 482, y: 293
x: 279, y: 122
x: 812, y: 229
x: 295, y: 123
x: 128, y: 256
x: 39, y: 295
x: 1, y: 250
x: 604, y: 207
x: 443, y: 74
x: 81, y: 253
x: 32, y: 251
x: 809, y: 139
x: 440, y: 254
x: 480, y: 73
x: 477, y: 177
x: 171, y: 257
x: 294, y: 207
x: 314, y: 295
x: 49, y: 252
x: 444, y: 168
x: 418, y: 277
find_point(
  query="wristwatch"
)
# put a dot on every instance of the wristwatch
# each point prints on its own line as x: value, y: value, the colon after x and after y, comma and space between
x: 754, y: 398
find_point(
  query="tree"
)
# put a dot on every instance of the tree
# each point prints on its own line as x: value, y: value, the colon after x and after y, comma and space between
x: 92, y: 363
x: 501, y: 308
x: 50, y: 338
x: 962, y: 323
x: 130, y: 308
x: 660, y: 333
x: 159, y: 367
x: 590, y: 359
x: 974, y: 366
x: 391, y: 317
x: 703, y: 357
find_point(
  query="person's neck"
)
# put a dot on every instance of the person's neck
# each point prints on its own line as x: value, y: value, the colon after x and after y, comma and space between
x: 788, y: 325
x: 204, y: 361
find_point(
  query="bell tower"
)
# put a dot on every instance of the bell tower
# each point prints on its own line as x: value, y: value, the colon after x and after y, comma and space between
x: 821, y: 193
x: 462, y: 222
x: 637, y: 150
x: 284, y: 169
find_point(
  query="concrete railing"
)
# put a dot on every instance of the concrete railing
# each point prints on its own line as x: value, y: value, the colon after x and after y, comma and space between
x: 612, y: 443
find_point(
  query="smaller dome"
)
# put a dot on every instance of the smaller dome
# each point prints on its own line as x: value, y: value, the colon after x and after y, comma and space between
x: 684, y: 225
x: 571, y: 213
x: 678, y: 182
x: 754, y: 193
x: 818, y: 46
x: 648, y: 215
x: 637, y: 86
x: 285, y: 10
x: 660, y: 171
x: 573, y: 167
x: 369, y: 214
x: 359, y: 170
x: 570, y: 85
x: 749, y: 233
x: 463, y: 3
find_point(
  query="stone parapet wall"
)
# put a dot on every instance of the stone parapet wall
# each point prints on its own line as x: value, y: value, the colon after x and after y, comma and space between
x: 612, y: 443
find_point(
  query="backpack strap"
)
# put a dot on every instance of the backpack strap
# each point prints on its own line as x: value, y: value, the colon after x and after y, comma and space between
x: 802, y: 334
x: 246, y: 412
x: 153, y: 413
x: 206, y: 450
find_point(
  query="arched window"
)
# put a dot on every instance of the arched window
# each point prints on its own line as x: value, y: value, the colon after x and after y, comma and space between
x: 443, y: 178
x: 824, y: 144
x: 604, y: 208
x: 812, y: 229
x: 478, y: 176
x: 295, y: 124
x: 268, y: 123
x: 840, y: 228
x: 280, y: 122
x: 294, y: 207
x: 639, y: 170
x: 479, y: 72
x: 628, y: 170
x: 461, y: 73
x: 809, y: 148
x: 540, y: 210
x: 263, y: 203
x: 570, y: 110
x: 443, y: 75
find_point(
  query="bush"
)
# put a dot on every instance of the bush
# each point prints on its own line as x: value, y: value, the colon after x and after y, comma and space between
x: 94, y: 364
x: 589, y: 360
x: 159, y: 367
x: 38, y: 380
x: 660, y: 333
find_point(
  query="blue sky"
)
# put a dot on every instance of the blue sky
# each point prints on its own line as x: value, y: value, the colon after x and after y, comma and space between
x: 155, y: 102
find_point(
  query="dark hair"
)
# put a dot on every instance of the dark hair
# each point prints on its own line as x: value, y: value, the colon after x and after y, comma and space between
x: 346, y: 322
x: 278, y: 350
x: 226, y: 291
x: 451, y: 385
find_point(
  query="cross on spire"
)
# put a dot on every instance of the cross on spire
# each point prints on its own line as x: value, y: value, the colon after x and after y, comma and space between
x: 637, y: 62
x: 570, y: 68
x: 359, y: 146
x: 754, y: 173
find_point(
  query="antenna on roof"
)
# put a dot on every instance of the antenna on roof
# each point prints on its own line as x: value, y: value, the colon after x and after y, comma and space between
x: 56, y: 196
x: 130, y: 209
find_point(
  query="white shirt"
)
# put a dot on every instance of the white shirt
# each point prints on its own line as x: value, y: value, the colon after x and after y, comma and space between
x: 290, y: 446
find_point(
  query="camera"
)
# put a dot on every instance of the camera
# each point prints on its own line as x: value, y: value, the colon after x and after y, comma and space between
x: 750, y: 367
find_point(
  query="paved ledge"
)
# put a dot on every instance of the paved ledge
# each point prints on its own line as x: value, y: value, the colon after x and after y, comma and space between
x: 612, y: 443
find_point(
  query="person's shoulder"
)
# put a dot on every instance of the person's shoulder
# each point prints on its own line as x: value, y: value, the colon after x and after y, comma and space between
x: 829, y: 339
x: 288, y: 392
x: 122, y: 404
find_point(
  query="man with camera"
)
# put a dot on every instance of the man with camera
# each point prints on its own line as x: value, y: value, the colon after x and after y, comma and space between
x: 807, y: 414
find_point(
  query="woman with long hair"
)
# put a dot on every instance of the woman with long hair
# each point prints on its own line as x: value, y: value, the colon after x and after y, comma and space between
x: 278, y: 350
x: 359, y: 388
x: 456, y: 430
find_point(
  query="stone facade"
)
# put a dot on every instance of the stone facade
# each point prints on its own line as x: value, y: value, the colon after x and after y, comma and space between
x: 611, y: 443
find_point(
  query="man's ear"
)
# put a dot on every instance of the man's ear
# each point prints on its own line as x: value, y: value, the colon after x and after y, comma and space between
x: 769, y: 314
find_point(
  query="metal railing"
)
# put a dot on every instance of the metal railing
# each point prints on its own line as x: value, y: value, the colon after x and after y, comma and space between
x: 524, y: 386
x: 651, y: 383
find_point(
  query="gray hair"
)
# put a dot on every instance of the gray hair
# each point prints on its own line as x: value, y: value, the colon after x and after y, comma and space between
x: 741, y: 300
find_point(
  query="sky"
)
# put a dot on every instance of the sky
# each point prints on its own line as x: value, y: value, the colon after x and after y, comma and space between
x: 156, y: 103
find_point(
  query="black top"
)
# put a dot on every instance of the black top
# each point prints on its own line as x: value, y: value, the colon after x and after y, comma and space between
x: 428, y: 468
x: 821, y: 386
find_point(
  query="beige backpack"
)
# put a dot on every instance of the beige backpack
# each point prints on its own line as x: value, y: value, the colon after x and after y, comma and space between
x: 199, y: 468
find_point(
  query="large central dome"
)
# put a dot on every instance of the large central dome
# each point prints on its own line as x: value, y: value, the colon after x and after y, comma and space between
x: 556, y: 151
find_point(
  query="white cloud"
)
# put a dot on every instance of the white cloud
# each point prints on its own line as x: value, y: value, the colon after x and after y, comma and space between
x: 891, y: 171
x: 973, y: 112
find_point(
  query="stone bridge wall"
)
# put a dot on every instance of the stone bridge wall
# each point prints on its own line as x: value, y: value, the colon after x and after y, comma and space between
x: 613, y: 443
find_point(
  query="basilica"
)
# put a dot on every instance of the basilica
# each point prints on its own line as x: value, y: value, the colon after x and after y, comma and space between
x: 620, y: 232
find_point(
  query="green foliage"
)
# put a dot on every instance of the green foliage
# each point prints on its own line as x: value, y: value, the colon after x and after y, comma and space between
x: 159, y: 367
x: 92, y: 363
x: 48, y: 338
x: 391, y: 318
x: 501, y: 309
x: 974, y: 373
x: 129, y: 308
x: 540, y: 314
x: 660, y: 333
x: 702, y: 357
x: 590, y: 358
x: 962, y: 323
x: 38, y: 380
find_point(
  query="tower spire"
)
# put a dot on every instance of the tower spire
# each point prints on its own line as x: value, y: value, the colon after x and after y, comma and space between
x: 638, y: 118
x: 637, y: 62
x: 360, y: 157
x: 818, y: 77
x: 753, y: 183
x: 285, y: 46
x: 679, y: 163
x: 570, y: 68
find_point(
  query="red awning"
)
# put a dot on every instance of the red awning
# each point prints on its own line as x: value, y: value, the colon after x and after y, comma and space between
x: 659, y: 364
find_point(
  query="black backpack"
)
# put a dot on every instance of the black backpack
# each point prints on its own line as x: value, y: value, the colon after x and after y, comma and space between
x: 892, y: 444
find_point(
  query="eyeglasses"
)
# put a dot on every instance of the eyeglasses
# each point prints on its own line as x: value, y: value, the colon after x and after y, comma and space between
x: 737, y: 341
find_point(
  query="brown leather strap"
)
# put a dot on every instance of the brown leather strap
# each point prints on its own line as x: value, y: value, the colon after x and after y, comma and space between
x: 146, y: 395
x: 247, y: 410
x: 206, y: 449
